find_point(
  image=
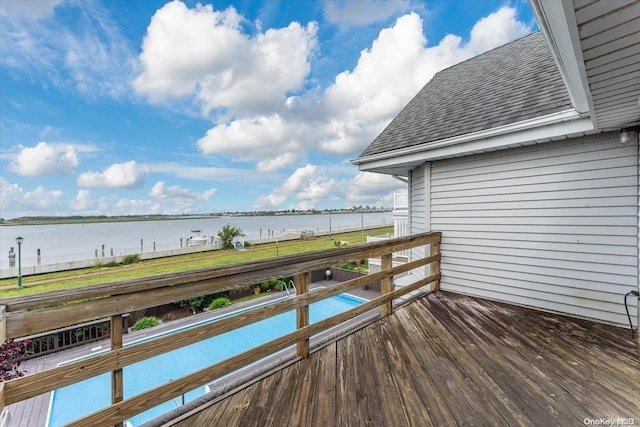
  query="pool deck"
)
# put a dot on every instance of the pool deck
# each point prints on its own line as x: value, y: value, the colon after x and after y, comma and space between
x: 448, y: 360
x: 33, y: 412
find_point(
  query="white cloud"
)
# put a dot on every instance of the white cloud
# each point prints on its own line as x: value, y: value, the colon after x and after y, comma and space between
x: 45, y: 159
x: 205, y: 52
x: 28, y: 10
x: 314, y: 186
x: 364, y: 100
x: 119, y: 175
x: 179, y: 199
x: 362, y: 12
x: 373, y: 189
x: 360, y: 102
x: 10, y: 197
x: 270, y: 201
x: 85, y: 203
x: 498, y: 28
x: 161, y: 191
x: 308, y: 186
x: 200, y: 173
x: 139, y: 207
x: 15, y: 201
x: 252, y: 139
x: 284, y: 160
x: 42, y: 199
x: 90, y: 57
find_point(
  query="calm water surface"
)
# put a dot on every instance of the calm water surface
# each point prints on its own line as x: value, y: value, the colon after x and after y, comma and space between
x: 71, y: 242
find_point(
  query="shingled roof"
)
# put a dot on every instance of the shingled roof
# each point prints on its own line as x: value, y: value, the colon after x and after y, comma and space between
x: 509, y: 84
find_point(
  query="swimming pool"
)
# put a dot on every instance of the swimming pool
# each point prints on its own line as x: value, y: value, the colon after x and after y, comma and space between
x: 82, y: 398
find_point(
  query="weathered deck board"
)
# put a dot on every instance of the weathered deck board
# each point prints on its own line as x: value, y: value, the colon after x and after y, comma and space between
x: 449, y: 359
x: 556, y: 360
x: 470, y: 402
x: 324, y: 402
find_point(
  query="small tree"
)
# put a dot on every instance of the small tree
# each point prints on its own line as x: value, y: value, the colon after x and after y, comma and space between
x: 228, y: 234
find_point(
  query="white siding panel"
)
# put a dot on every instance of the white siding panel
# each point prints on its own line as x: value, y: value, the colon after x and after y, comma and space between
x: 553, y: 226
x: 419, y: 211
x: 417, y: 200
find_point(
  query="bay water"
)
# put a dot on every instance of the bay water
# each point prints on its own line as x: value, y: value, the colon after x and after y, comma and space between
x: 73, y: 242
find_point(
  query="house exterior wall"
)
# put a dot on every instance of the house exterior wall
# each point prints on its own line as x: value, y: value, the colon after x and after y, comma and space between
x: 419, y: 211
x: 553, y: 226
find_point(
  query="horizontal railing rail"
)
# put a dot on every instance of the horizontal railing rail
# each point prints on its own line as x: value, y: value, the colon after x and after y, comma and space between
x: 26, y: 316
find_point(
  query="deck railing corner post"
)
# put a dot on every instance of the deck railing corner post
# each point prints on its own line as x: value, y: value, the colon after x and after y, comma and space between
x: 301, y: 282
x: 435, y: 265
x: 117, y: 378
x: 386, y: 284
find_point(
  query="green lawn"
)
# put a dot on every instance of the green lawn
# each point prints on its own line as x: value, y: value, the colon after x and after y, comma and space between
x: 98, y: 275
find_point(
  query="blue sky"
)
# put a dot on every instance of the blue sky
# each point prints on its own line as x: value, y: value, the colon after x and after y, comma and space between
x: 156, y: 107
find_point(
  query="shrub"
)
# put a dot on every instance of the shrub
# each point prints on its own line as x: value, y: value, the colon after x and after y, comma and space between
x: 12, y: 352
x: 131, y: 259
x: 145, y: 323
x: 347, y: 265
x: 268, y: 285
x: 195, y: 304
x: 198, y: 304
x: 219, y: 303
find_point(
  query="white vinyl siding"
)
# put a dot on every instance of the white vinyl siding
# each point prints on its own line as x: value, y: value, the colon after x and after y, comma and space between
x: 554, y: 226
x: 418, y: 210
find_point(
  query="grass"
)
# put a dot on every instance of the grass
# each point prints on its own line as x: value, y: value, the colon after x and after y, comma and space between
x: 102, y: 274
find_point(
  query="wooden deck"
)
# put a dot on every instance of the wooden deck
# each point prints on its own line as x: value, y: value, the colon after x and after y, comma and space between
x: 448, y: 359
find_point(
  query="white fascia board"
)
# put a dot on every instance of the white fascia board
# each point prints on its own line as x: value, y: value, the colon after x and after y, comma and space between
x: 540, y: 129
x: 557, y: 20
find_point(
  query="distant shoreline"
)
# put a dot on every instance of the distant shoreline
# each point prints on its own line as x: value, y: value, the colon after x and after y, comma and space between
x: 48, y: 220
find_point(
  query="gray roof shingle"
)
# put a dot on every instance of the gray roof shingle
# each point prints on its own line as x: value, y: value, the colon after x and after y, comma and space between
x: 506, y: 85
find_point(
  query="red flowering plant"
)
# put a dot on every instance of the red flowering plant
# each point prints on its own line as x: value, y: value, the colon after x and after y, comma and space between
x: 12, y: 352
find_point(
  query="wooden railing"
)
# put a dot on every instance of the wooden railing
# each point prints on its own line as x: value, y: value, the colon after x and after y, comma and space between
x: 25, y: 316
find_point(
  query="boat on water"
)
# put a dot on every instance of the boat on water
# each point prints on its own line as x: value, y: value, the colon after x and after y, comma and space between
x: 197, y: 238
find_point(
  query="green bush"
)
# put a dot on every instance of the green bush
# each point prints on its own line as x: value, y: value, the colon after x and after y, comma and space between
x: 131, y: 259
x: 145, y: 323
x: 268, y: 285
x: 196, y: 305
x: 219, y: 303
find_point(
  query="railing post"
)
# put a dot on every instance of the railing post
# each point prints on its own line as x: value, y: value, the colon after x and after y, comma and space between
x: 386, y: 284
x: 117, y: 381
x: 302, y: 314
x: 435, y: 265
x: 2, y: 412
x: 3, y: 323
x: 3, y: 337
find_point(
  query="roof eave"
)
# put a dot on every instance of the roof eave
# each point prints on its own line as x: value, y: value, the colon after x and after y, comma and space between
x: 554, y: 126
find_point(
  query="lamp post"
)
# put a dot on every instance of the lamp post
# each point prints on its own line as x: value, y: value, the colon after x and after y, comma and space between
x: 19, y: 241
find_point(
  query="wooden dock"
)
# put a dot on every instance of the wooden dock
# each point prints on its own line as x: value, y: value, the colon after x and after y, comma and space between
x: 443, y: 360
